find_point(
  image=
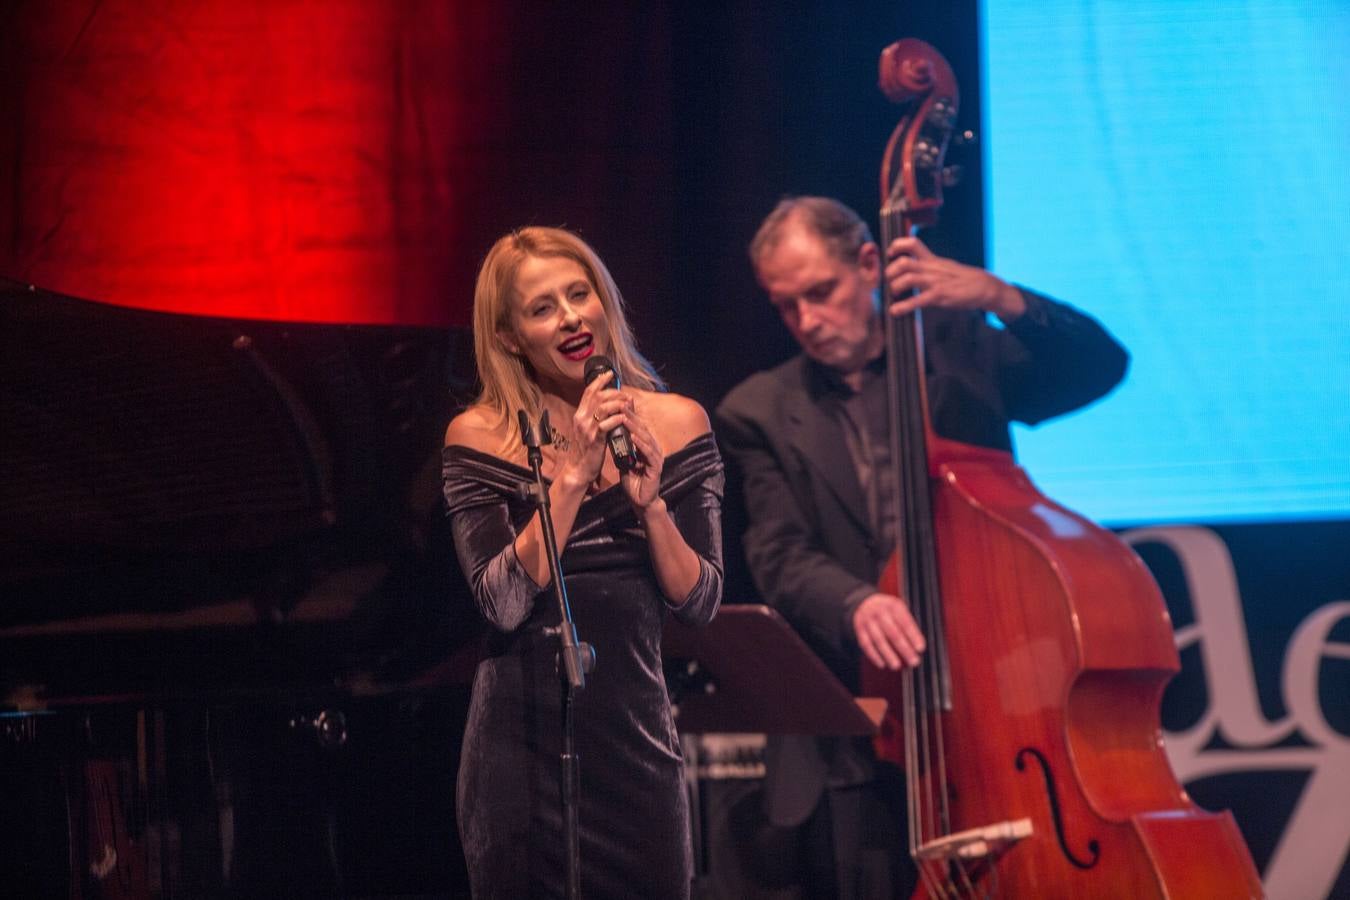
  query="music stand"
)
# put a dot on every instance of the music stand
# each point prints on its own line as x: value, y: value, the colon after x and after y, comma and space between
x: 748, y: 671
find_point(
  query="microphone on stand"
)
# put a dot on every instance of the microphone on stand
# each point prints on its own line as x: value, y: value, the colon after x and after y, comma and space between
x: 620, y: 444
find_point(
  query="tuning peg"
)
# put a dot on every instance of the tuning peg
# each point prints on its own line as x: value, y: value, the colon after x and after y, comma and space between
x: 951, y: 175
x: 942, y: 115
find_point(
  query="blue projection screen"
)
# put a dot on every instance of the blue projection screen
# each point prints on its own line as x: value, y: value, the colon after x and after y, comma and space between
x: 1181, y: 170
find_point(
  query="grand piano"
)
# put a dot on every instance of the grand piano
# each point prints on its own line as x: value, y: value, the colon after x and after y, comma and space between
x: 234, y: 650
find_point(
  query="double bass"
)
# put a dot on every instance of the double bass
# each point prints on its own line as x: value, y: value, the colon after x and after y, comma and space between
x: 1030, y: 733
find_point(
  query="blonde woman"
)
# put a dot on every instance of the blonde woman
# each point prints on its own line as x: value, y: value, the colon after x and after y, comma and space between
x: 635, y: 546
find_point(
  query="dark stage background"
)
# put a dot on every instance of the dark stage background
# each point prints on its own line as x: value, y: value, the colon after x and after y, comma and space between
x: 344, y: 166
x: 351, y: 162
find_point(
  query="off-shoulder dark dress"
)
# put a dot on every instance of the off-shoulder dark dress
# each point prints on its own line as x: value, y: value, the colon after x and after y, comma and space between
x: 633, y: 812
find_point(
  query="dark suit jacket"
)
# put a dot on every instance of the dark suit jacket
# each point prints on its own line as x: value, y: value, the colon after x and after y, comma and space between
x: 808, y: 544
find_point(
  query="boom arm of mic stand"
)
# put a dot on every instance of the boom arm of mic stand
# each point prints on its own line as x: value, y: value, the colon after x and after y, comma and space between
x: 577, y: 657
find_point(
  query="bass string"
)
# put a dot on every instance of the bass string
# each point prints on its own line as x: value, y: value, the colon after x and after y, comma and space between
x: 916, y: 557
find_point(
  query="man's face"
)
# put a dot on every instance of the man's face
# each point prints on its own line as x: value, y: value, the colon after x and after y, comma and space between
x: 829, y: 304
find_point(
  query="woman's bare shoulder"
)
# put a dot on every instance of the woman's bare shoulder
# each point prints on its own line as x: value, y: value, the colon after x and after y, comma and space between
x: 476, y: 428
x: 676, y: 419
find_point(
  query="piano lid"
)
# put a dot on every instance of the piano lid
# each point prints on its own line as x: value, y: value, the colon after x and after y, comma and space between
x: 180, y: 475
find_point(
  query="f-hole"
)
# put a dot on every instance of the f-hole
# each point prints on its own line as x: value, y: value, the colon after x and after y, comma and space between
x: 1093, y: 847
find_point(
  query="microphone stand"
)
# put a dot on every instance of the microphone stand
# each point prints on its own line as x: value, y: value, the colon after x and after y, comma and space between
x: 575, y: 658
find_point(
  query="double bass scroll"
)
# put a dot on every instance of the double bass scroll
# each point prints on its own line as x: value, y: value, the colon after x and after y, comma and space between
x: 1030, y: 732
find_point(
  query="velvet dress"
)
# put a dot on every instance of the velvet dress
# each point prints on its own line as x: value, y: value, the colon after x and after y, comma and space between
x: 634, y: 828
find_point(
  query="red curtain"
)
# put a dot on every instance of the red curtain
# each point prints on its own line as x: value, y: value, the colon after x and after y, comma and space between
x: 283, y: 160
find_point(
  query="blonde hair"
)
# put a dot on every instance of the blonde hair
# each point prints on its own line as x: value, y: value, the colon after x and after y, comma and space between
x: 507, y: 383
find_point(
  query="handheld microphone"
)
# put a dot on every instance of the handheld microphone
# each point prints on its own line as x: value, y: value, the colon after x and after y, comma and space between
x: 620, y: 444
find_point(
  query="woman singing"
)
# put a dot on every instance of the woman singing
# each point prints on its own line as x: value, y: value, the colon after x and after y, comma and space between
x: 634, y: 544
